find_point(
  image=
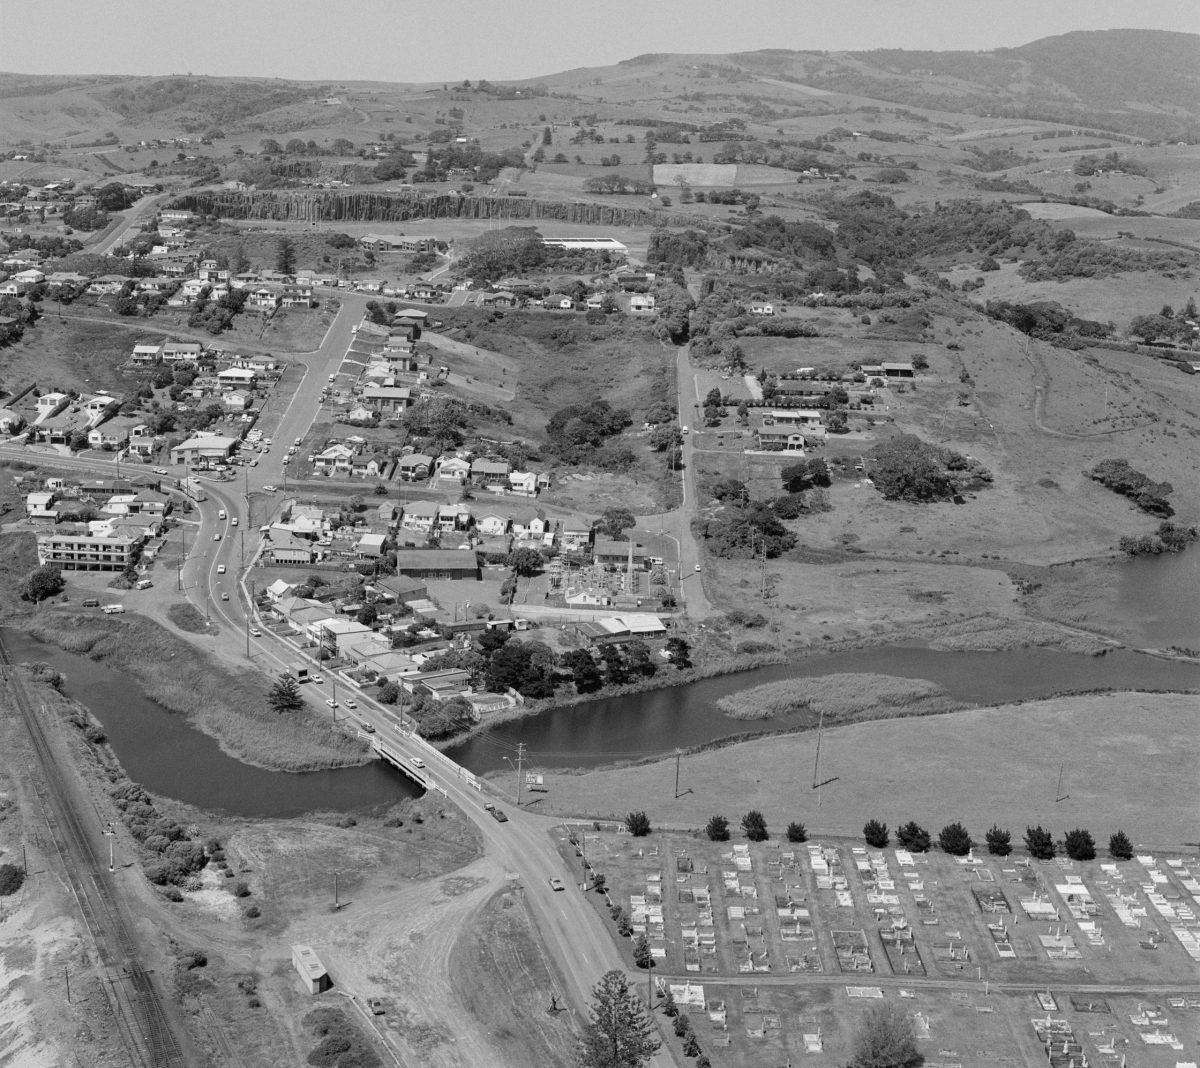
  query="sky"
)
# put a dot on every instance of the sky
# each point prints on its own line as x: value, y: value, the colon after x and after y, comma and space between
x: 410, y: 41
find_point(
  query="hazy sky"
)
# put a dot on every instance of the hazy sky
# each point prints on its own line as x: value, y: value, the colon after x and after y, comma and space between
x: 406, y: 40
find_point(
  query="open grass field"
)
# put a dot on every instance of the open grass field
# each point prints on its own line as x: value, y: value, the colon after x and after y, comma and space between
x: 74, y: 354
x: 1127, y: 756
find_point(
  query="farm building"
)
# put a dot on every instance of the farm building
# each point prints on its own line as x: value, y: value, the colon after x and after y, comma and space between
x: 312, y: 971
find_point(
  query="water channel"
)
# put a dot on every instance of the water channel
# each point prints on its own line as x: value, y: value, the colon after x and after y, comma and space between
x: 169, y: 756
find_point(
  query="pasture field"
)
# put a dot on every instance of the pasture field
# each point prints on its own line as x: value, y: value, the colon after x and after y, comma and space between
x: 1127, y: 756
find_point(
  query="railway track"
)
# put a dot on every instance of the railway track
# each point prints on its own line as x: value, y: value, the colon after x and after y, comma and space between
x: 136, y: 1002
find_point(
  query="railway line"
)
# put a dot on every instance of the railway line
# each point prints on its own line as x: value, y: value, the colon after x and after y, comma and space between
x: 142, y: 1019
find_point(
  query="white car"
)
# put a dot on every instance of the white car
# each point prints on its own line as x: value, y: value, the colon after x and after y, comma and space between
x: 161, y: 471
x: 416, y: 762
x: 351, y: 703
x: 234, y: 520
x: 318, y: 679
x: 220, y: 569
x: 255, y: 632
x: 331, y: 702
x: 268, y: 489
x: 556, y: 883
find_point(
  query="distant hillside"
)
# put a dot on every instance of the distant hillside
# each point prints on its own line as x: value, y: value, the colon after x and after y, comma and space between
x: 196, y: 104
x: 1141, y: 82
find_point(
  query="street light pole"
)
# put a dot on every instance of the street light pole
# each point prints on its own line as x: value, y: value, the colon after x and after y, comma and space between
x: 110, y: 833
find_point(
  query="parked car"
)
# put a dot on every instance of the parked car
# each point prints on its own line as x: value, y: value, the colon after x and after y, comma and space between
x: 234, y: 520
x: 224, y: 597
x: 161, y: 471
x: 220, y: 569
x: 556, y: 883
x: 318, y: 679
x: 255, y: 632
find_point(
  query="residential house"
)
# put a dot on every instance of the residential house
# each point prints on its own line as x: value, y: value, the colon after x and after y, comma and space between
x: 453, y: 517
x: 453, y: 469
x: 237, y: 401
x: 528, y: 525
x: 415, y: 467
x: 30, y: 277
x: 419, y: 516
x: 114, y: 434
x: 258, y: 363
x: 108, y: 284
x: 297, y: 296
x: 794, y: 416
x: 355, y: 649
x: 285, y: 548
x: 175, y: 215
x: 49, y: 404
x: 389, y: 512
x: 759, y: 307
x: 558, y: 302
x: 401, y: 588
x: 158, y: 284
x: 77, y: 551
x: 387, y: 399
x: 238, y: 377
x: 425, y: 291
x: 374, y: 465
x: 279, y: 589
x: 397, y: 243
x: 263, y: 297
x: 146, y: 353
x: 502, y: 299
x: 641, y: 303
x: 490, y: 473
x: 57, y: 280
x: 492, y: 524
x: 524, y: 483
x: 182, y: 351
x: 575, y: 537
x: 40, y: 505
x: 335, y: 459
x: 142, y: 440
x: 595, y: 301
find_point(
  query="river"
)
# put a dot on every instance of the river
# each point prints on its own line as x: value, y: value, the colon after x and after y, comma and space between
x: 647, y: 724
x: 170, y: 757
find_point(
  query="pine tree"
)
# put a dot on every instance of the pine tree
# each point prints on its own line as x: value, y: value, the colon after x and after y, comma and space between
x: 999, y: 842
x: 641, y: 953
x: 755, y: 826
x: 618, y: 1034
x: 1040, y: 843
x: 285, y: 695
x: 1120, y: 847
x: 717, y: 829
x: 887, y: 1040
x: 637, y: 824
x: 1080, y: 845
x: 913, y: 837
x: 797, y: 832
x: 954, y: 839
x: 876, y: 834
x: 285, y: 256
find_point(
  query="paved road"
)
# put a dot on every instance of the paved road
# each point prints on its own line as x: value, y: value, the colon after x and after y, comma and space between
x: 136, y: 216
x: 680, y: 520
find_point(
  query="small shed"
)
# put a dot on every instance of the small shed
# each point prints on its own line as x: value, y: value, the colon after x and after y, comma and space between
x: 312, y: 971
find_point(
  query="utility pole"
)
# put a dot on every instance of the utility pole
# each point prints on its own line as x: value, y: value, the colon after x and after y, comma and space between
x: 678, y: 755
x: 182, y: 555
x: 520, y: 757
x: 335, y: 891
x: 67, y: 976
x: 247, y: 635
x: 110, y: 833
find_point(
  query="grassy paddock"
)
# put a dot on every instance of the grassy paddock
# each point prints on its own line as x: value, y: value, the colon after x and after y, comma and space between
x: 231, y: 708
x: 1127, y: 758
x: 843, y: 698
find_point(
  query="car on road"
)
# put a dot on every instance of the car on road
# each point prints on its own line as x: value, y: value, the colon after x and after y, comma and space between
x: 161, y: 471
x: 331, y: 702
x: 497, y: 814
x: 217, y: 536
x: 253, y: 463
x: 268, y: 441
x: 556, y: 883
x: 697, y: 566
x: 220, y: 569
x: 255, y: 632
x: 224, y: 597
x: 318, y: 679
x: 234, y: 520
x: 351, y: 703
x: 376, y: 1006
x: 269, y: 489
x: 416, y: 762
x: 368, y: 728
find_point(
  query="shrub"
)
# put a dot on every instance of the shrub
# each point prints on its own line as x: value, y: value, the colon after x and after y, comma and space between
x: 797, y: 832
x: 12, y: 879
x: 913, y: 837
x: 717, y: 829
x: 683, y: 1026
x: 1040, y: 843
x: 252, y: 913
x: 999, y: 842
x: 691, y: 1048
x: 954, y: 839
x: 172, y: 893
x: 669, y: 1008
x: 641, y: 953
x: 193, y: 959
x: 241, y: 889
x: 876, y: 834
x: 346, y: 822
x: 1080, y: 845
x: 755, y: 826
x: 637, y: 824
x: 1120, y: 847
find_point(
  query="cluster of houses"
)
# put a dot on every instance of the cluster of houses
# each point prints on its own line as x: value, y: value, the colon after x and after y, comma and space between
x: 56, y: 418
x: 624, y: 289
x: 128, y: 525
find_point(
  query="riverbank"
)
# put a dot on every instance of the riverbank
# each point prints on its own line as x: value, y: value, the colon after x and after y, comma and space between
x: 1127, y: 758
x: 232, y: 709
